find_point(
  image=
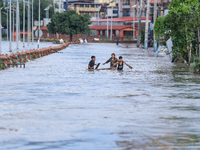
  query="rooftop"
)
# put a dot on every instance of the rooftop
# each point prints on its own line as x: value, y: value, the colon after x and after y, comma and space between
x: 123, y: 19
x: 114, y: 27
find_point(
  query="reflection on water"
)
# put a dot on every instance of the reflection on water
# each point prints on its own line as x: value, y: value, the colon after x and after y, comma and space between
x: 56, y: 103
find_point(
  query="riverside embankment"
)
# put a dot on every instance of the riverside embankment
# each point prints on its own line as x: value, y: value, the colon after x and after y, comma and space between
x: 19, y: 58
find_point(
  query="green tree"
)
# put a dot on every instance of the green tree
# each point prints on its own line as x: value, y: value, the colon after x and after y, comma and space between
x: 43, y: 4
x: 3, y: 15
x: 69, y: 22
x: 181, y: 24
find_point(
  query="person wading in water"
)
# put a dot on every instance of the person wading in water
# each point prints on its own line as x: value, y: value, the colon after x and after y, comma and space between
x: 92, y: 63
x: 112, y: 60
x: 120, y: 64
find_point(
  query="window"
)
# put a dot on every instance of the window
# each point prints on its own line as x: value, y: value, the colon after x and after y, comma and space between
x: 92, y: 5
x: 115, y: 11
x: 92, y: 14
x: 127, y: 2
x: 97, y: 6
x: 81, y: 5
x: 126, y: 12
x: 87, y: 5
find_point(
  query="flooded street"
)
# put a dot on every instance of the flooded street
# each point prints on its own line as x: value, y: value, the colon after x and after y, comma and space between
x: 56, y: 103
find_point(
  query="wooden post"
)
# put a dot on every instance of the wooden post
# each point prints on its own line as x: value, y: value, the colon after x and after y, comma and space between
x: 99, y: 39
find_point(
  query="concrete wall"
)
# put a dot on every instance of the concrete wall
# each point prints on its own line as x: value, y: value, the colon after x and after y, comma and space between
x: 110, y: 13
x: 95, y: 32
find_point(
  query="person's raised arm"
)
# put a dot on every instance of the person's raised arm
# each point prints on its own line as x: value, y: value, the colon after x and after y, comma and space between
x: 107, y: 61
x: 128, y: 65
x: 113, y: 65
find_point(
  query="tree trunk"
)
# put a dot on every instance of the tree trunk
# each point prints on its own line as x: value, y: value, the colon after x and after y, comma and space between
x: 71, y: 35
x: 196, y: 50
x: 139, y: 25
x: 147, y: 26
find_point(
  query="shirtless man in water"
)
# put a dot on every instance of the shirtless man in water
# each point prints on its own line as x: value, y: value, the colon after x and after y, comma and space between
x: 112, y: 60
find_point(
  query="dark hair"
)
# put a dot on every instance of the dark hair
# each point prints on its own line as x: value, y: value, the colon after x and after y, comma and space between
x: 92, y: 57
x: 113, y: 54
x: 120, y: 57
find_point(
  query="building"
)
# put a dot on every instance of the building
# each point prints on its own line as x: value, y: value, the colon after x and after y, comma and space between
x: 60, y: 4
x: 124, y: 24
x: 120, y: 26
x: 84, y: 7
x: 94, y: 8
x: 107, y: 11
x: 107, y: 2
x: 126, y: 9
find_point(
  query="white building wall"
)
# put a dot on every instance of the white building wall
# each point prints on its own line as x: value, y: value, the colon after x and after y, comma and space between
x: 60, y: 4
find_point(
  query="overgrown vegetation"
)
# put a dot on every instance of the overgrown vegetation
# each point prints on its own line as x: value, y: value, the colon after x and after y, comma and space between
x: 181, y: 24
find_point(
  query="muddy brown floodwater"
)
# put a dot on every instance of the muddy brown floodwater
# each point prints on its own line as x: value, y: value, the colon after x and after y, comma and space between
x: 56, y: 103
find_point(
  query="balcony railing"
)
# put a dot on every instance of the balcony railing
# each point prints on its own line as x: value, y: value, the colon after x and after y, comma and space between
x: 127, y: 3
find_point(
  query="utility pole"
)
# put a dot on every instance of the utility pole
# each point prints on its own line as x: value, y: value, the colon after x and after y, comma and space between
x: 107, y: 19
x: 119, y: 8
x: 111, y: 24
x: 17, y: 23
x: 32, y: 25
x: 10, y: 27
x: 39, y: 26
x: 98, y: 17
x: 0, y: 31
x: 147, y: 27
x: 23, y: 23
x: 7, y: 25
x: 29, y: 22
x: 134, y: 6
x: 54, y: 6
x: 13, y: 25
x: 155, y: 17
x: 107, y: 22
x: 139, y: 24
x: 60, y: 7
